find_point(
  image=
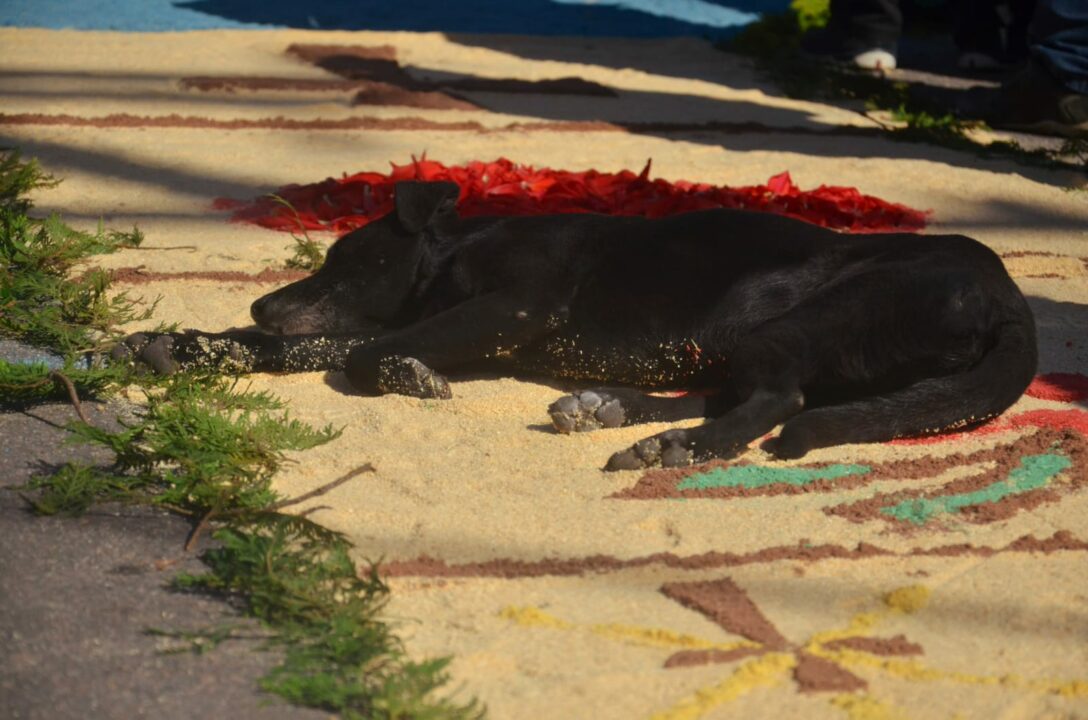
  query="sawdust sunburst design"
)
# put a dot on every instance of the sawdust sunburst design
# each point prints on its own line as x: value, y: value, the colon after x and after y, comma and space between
x: 827, y: 663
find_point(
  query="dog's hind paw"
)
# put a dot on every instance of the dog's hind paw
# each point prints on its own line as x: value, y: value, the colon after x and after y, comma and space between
x: 589, y: 410
x: 669, y: 449
x: 408, y: 376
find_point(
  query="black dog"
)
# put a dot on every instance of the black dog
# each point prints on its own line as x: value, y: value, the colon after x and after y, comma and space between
x: 844, y: 338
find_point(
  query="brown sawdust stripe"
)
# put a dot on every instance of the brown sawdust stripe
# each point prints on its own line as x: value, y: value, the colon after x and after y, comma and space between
x: 139, y: 276
x: 692, y: 658
x: 126, y: 120
x: 725, y: 603
x: 425, y: 566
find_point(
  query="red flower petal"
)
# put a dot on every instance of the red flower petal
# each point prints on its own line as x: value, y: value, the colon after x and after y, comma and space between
x: 502, y: 187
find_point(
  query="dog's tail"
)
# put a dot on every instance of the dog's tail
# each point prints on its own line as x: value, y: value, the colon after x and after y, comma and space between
x: 930, y: 406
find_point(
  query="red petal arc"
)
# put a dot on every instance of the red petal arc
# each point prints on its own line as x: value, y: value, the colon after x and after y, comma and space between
x: 506, y: 188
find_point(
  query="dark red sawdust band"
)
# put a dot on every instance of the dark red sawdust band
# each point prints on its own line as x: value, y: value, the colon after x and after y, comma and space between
x: 127, y: 120
x: 1061, y: 541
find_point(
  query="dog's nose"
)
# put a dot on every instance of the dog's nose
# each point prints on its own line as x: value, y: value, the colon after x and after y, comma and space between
x: 259, y: 312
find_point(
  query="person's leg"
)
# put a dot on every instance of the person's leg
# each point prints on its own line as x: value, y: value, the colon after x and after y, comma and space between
x: 1049, y: 95
x: 1058, y: 40
x: 862, y: 32
x: 870, y: 23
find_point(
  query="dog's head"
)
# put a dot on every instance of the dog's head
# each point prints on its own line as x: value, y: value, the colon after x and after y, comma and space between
x: 369, y: 274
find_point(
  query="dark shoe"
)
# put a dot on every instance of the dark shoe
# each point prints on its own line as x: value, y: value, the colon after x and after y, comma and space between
x: 829, y: 44
x: 1030, y: 101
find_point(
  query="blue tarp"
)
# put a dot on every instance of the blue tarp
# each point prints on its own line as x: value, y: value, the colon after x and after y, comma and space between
x: 625, y: 18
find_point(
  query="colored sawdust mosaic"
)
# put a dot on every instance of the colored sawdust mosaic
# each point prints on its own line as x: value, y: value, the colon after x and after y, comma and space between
x: 1018, y: 476
x: 835, y: 662
x: 1013, y: 478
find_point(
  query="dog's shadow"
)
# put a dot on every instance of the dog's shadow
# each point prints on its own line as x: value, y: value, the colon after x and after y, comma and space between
x: 337, y: 380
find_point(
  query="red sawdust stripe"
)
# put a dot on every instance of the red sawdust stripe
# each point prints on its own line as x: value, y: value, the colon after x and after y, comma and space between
x: 258, y: 83
x: 139, y: 276
x: 379, y: 62
x: 1045, y: 418
x: 425, y: 566
x: 233, y: 83
x: 1060, y: 387
x: 367, y: 92
x: 898, y: 645
x: 125, y: 120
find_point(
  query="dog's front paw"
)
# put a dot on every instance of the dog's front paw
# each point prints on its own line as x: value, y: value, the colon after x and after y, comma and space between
x: 166, y: 353
x: 154, y: 352
x: 589, y: 410
x: 408, y: 376
x: 669, y: 449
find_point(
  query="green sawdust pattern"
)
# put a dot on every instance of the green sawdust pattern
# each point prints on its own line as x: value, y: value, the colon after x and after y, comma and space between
x: 208, y: 450
x: 751, y: 477
x: 1034, y: 472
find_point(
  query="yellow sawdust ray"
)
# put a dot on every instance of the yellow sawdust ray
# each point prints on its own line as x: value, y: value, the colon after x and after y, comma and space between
x: 916, y: 671
x: 867, y: 707
x: 652, y: 637
x: 765, y: 671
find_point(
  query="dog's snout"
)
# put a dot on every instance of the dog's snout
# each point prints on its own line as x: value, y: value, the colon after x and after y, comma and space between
x: 260, y: 311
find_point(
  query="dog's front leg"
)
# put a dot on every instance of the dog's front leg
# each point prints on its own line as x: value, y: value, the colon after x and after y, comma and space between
x: 239, y: 351
x: 492, y: 325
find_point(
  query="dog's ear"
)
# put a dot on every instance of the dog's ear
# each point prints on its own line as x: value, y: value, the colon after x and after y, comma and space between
x: 419, y: 203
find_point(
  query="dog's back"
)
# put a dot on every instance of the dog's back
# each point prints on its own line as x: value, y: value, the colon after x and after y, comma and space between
x: 664, y: 303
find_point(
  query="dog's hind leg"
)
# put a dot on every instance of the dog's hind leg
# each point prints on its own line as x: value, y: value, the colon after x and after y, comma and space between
x: 721, y: 437
x: 617, y: 407
x: 926, y: 407
x: 870, y: 329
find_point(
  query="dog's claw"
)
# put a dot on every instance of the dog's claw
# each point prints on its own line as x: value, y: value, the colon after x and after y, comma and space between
x: 408, y: 376
x: 624, y: 460
x: 585, y: 411
x: 128, y: 349
x: 669, y: 449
